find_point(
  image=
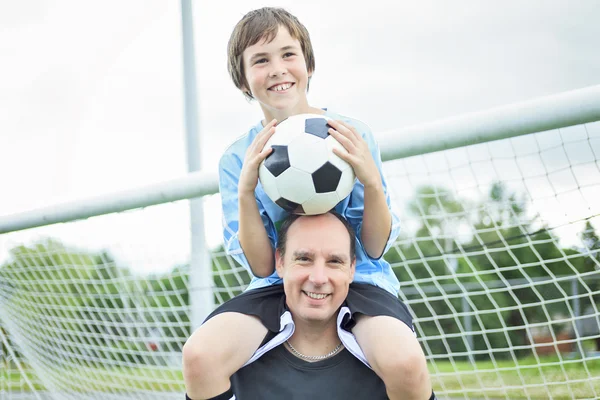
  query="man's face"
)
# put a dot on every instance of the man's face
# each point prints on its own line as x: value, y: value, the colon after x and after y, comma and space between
x: 317, y: 268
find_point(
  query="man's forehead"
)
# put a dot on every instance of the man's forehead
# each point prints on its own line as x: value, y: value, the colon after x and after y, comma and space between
x: 312, y: 224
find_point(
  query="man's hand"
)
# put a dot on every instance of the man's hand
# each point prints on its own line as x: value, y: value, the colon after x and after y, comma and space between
x: 255, y: 154
x: 357, y: 153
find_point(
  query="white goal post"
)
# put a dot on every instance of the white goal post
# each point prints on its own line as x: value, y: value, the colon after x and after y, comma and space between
x: 498, y: 261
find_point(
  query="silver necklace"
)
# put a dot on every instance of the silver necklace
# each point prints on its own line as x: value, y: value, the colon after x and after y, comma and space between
x: 314, y: 358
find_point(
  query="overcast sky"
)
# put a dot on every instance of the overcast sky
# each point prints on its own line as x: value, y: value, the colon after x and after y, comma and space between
x: 91, y: 91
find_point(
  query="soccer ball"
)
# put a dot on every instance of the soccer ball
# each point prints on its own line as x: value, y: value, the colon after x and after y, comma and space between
x: 302, y: 174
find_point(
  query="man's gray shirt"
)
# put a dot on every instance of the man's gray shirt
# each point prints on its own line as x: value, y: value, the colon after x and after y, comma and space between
x: 278, y: 374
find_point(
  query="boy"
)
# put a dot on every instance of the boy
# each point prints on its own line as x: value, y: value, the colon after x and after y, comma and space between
x: 270, y: 59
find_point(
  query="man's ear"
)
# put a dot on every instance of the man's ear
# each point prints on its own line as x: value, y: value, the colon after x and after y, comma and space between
x: 279, y: 263
x: 353, y: 268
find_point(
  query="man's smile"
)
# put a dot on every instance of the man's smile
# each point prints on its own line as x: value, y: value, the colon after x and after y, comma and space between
x: 316, y: 296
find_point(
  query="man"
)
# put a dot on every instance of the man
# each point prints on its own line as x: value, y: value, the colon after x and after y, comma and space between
x: 309, y: 351
x: 315, y: 259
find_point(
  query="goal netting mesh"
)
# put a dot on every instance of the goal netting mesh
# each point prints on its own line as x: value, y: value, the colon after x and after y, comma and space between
x: 498, y: 261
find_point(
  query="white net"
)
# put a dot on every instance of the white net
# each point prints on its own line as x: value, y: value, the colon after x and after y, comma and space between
x: 498, y: 263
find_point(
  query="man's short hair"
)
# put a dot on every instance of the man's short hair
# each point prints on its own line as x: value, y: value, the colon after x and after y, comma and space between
x: 263, y: 24
x: 289, y: 221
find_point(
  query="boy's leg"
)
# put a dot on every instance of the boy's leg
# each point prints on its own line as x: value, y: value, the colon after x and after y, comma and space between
x: 216, y: 350
x: 395, y: 355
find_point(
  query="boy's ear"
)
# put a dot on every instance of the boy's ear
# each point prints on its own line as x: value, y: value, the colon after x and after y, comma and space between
x: 244, y: 86
x: 279, y: 263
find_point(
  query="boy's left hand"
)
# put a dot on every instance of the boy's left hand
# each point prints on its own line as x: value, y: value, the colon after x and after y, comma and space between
x: 358, y: 154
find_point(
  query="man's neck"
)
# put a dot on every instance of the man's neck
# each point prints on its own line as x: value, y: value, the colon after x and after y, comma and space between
x: 315, y: 339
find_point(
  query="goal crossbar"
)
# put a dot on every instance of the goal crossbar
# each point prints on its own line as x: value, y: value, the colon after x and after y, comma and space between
x: 549, y: 112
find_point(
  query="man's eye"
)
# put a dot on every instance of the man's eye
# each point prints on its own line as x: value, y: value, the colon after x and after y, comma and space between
x: 302, y: 259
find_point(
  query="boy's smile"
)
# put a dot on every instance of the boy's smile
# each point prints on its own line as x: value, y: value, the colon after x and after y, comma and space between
x: 281, y: 87
x: 277, y: 76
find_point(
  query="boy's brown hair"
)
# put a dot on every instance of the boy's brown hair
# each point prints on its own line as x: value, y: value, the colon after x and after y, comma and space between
x: 263, y: 24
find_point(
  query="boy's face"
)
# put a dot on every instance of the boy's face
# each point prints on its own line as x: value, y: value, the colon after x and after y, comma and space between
x: 277, y: 77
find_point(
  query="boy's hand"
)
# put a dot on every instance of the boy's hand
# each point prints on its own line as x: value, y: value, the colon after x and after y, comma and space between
x: 358, y: 154
x: 255, y: 154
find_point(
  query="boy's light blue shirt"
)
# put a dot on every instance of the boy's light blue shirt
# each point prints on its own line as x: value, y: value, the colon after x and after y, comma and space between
x: 368, y: 270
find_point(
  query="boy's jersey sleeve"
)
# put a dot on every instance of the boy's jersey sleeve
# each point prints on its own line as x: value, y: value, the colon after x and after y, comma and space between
x: 230, y: 167
x: 355, y: 209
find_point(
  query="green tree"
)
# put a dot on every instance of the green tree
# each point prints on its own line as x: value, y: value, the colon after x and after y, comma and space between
x: 425, y: 261
x: 229, y: 277
x: 508, y: 247
x: 61, y: 296
x: 591, y: 243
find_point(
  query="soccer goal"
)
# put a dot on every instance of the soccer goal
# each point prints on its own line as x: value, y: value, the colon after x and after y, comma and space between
x: 498, y: 261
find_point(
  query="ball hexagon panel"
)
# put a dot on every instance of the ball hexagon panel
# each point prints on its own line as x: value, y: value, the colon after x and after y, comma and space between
x: 320, y: 203
x: 332, y: 143
x: 326, y: 178
x: 286, y: 131
x: 295, y: 185
x: 268, y: 182
x: 278, y: 161
x: 317, y: 127
x: 307, y: 153
x: 346, y: 183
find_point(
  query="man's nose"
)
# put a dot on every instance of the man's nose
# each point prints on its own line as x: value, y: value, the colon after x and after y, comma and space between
x: 318, y: 274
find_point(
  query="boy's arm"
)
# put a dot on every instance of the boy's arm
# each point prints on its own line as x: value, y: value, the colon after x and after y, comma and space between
x: 370, y: 200
x: 377, y: 220
x: 253, y: 237
x: 229, y: 172
x: 247, y: 231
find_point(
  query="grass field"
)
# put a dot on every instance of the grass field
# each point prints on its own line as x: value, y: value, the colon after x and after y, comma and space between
x: 529, y: 379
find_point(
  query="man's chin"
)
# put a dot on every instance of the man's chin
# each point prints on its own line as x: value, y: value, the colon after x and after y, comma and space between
x: 312, y: 315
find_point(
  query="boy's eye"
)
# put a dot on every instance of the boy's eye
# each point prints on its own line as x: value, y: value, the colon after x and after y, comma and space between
x: 288, y: 55
x: 260, y: 61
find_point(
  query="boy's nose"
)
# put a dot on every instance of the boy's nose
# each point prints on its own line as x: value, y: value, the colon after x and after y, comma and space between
x: 277, y: 69
x: 276, y: 73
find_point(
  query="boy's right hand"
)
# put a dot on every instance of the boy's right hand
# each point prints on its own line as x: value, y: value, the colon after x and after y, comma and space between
x: 255, y: 154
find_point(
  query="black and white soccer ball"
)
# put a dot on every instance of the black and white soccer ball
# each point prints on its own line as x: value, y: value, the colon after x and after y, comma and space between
x: 303, y: 175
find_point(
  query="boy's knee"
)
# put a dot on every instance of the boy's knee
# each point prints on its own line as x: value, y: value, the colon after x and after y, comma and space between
x: 192, y: 358
x: 201, y: 361
x: 204, y: 372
